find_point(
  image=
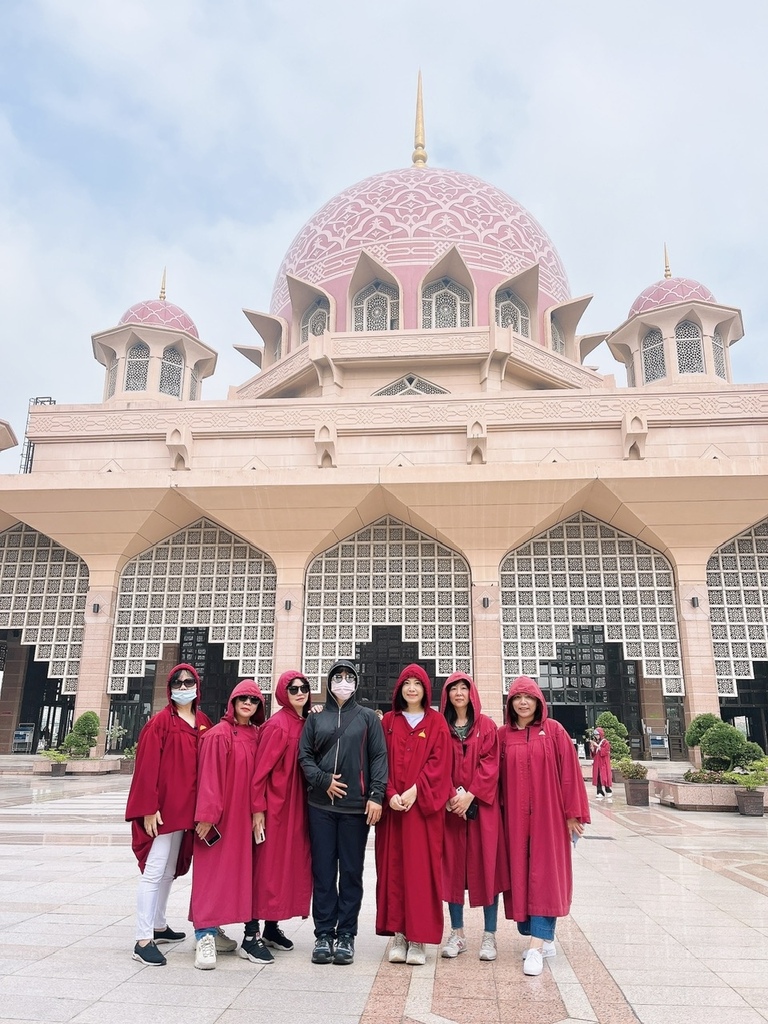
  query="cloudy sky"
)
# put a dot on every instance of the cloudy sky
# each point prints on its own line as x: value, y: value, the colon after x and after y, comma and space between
x: 202, y: 134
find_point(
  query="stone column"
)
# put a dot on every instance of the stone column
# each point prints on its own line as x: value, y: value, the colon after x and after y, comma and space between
x: 98, y: 630
x: 486, y: 633
x: 16, y: 659
x: 289, y: 632
x: 696, y: 646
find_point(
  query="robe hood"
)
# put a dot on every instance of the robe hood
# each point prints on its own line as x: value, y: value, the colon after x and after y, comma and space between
x: 171, y: 676
x: 342, y: 663
x: 474, y: 696
x: 245, y: 688
x: 281, y: 691
x: 599, y: 733
x: 524, y: 684
x: 418, y: 673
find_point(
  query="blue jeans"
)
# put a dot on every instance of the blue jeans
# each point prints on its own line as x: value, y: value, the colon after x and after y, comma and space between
x: 490, y: 915
x: 200, y: 932
x: 538, y: 927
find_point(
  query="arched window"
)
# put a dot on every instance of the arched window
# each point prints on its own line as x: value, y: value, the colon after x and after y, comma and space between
x: 112, y: 377
x: 654, y: 366
x: 376, y: 308
x: 137, y: 367
x: 172, y: 372
x: 558, y: 338
x: 316, y: 319
x: 512, y: 312
x: 445, y: 303
x: 690, y: 351
x: 718, y: 353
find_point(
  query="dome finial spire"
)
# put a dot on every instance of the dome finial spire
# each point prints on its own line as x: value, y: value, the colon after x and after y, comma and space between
x: 667, y: 271
x: 162, y: 287
x: 419, y: 153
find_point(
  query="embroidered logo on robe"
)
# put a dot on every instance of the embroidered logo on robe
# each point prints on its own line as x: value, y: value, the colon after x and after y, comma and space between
x: 422, y: 735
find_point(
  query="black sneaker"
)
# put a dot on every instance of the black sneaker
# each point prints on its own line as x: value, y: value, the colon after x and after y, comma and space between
x: 255, y: 951
x: 275, y: 939
x: 169, y: 935
x: 323, y: 951
x: 344, y: 953
x: 149, y: 955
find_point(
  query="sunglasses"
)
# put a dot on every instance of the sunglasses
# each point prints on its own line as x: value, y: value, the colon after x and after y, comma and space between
x: 298, y: 688
x: 183, y: 684
x: 248, y: 700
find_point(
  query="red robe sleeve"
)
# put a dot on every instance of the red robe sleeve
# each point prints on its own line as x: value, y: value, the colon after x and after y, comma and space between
x: 212, y: 775
x: 272, y: 744
x: 143, y: 798
x: 433, y: 783
x: 485, y: 780
x: 575, y: 800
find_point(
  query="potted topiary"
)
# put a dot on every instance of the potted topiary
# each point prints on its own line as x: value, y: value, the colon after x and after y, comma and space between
x: 83, y: 736
x: 749, y: 798
x: 635, y: 777
x: 58, y: 759
x: 616, y: 734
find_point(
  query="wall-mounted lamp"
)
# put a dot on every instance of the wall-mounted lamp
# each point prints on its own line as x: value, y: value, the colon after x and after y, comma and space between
x: 288, y: 605
x: 96, y: 609
x: 486, y: 602
x: 695, y: 602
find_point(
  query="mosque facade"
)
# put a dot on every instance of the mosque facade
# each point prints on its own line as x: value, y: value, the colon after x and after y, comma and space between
x: 423, y: 466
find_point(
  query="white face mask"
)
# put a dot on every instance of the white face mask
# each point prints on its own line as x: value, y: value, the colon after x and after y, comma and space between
x: 342, y: 688
x: 183, y: 697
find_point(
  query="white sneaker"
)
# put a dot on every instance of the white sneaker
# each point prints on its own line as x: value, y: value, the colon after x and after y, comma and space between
x: 205, y: 953
x: 488, y: 946
x: 456, y: 944
x: 223, y: 942
x: 547, y: 950
x: 417, y: 954
x: 533, y: 963
x: 599, y: 796
x: 398, y: 950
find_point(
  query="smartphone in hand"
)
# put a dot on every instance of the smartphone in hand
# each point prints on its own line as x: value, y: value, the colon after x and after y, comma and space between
x: 213, y: 836
x: 260, y: 836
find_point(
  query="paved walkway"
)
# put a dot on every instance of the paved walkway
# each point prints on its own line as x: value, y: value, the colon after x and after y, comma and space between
x: 669, y: 924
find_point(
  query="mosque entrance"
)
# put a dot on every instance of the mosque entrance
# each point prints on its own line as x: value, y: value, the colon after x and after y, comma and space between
x: 218, y: 676
x: 749, y: 710
x: 44, y: 705
x: 381, y: 661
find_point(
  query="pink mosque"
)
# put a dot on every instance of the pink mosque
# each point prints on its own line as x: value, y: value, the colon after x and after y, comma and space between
x: 422, y: 466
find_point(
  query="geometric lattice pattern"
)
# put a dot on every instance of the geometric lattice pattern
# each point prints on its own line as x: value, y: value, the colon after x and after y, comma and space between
x: 512, y: 312
x: 445, y: 303
x: 690, y: 353
x: 558, y: 338
x: 137, y: 367
x: 316, y: 319
x: 654, y: 364
x: 737, y: 580
x: 42, y: 593
x: 584, y: 572
x: 202, y: 576
x: 387, y: 574
x: 718, y: 353
x: 376, y: 308
x: 411, y: 385
x: 171, y: 372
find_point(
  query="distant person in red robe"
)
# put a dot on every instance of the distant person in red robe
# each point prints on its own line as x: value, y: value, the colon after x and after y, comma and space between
x: 223, y: 870
x: 279, y: 803
x: 409, y: 840
x: 544, y: 810
x: 161, y: 807
x: 602, y: 776
x: 473, y: 857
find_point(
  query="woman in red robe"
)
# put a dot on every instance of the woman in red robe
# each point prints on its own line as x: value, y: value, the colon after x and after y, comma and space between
x: 544, y: 810
x: 602, y: 776
x: 223, y: 870
x: 409, y: 838
x: 161, y: 807
x: 279, y: 803
x: 473, y: 856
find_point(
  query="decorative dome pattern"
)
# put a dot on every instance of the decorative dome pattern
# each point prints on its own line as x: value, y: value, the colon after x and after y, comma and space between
x: 669, y: 291
x: 159, y: 313
x: 412, y: 217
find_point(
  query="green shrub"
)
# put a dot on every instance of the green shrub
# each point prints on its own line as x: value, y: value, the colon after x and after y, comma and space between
x: 747, y: 780
x: 616, y: 734
x: 83, y: 736
x: 703, y: 775
x: 715, y: 764
x: 752, y: 752
x: 632, y: 770
x: 698, y: 727
x: 723, y: 741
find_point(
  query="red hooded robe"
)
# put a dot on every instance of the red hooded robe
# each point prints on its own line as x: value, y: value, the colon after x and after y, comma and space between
x: 165, y: 776
x: 601, y: 761
x: 283, y: 861
x: 541, y: 787
x: 409, y: 844
x: 473, y: 850
x: 223, y: 874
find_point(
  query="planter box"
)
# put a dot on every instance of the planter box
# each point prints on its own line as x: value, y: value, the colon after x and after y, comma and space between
x: 93, y: 766
x: 751, y: 802
x: 637, y: 792
x: 696, y: 796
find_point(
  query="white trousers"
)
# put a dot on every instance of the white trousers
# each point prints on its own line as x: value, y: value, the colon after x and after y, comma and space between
x: 155, y: 885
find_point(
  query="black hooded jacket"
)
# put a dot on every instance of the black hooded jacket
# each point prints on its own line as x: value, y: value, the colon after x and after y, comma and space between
x: 359, y: 754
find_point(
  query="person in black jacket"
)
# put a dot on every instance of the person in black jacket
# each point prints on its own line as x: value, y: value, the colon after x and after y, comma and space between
x: 344, y: 758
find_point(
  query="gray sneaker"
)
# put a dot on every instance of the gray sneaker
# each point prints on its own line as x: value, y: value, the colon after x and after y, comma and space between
x: 488, y: 946
x: 223, y: 942
x: 417, y: 954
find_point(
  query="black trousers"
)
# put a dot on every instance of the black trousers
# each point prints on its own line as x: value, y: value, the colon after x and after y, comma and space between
x: 338, y: 855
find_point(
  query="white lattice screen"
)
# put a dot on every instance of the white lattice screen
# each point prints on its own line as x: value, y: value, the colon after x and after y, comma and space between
x: 42, y: 593
x: 388, y: 574
x: 584, y: 571
x: 737, y: 578
x: 201, y: 576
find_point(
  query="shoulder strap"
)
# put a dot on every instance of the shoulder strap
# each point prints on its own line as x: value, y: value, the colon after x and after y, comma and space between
x: 338, y: 732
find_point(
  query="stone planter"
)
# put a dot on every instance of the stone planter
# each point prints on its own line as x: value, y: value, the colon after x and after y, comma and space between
x: 750, y: 802
x: 126, y: 766
x: 697, y: 796
x: 616, y: 776
x: 93, y: 766
x: 637, y: 792
x: 58, y: 767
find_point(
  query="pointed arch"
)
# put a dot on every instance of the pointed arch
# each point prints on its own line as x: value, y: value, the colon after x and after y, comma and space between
x: 137, y: 367
x: 171, y: 372
x: 690, y: 350
x: 512, y: 312
x: 654, y: 363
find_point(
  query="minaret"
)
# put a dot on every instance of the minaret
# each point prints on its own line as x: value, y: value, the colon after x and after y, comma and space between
x: 667, y: 271
x: 162, y: 287
x: 419, y: 153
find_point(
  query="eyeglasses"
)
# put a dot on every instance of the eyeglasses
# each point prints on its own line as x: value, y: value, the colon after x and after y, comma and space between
x: 183, y: 684
x: 299, y: 688
x: 248, y: 700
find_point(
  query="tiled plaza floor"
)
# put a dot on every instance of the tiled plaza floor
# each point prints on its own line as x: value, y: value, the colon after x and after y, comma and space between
x: 669, y: 924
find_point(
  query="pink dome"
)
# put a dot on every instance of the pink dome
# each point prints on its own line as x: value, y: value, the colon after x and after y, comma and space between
x: 160, y: 313
x: 412, y: 217
x: 668, y: 292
